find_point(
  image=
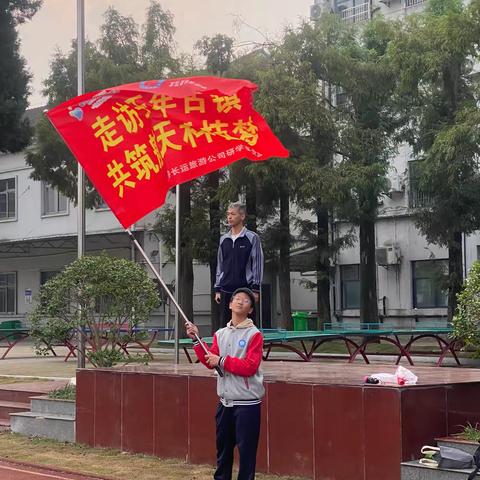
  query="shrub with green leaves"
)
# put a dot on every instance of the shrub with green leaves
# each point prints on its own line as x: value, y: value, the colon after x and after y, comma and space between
x: 68, y: 392
x: 103, y: 298
x: 469, y: 432
x: 466, y: 322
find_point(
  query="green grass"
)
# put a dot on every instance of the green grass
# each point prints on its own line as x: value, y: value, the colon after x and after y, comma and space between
x: 68, y: 392
x: 469, y: 432
x: 8, y: 380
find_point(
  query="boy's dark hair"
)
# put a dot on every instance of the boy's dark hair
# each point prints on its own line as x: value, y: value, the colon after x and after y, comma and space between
x: 248, y: 292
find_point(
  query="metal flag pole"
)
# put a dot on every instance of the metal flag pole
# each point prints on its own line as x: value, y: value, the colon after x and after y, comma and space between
x: 81, y: 174
x: 177, y: 272
x: 168, y: 292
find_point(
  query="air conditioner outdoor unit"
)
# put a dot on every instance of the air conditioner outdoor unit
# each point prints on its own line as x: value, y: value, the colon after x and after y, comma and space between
x: 315, y: 11
x: 387, y: 255
x: 397, y: 184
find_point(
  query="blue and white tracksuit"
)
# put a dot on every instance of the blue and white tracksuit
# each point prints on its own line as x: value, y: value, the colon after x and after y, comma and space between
x: 239, y: 264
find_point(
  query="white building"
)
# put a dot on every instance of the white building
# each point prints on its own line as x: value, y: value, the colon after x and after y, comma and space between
x: 406, y: 264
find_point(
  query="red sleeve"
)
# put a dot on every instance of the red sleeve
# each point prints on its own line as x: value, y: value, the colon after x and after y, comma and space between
x: 201, y: 353
x: 248, y: 366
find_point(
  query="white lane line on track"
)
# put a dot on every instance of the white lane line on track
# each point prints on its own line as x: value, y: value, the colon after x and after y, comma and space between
x: 45, y: 475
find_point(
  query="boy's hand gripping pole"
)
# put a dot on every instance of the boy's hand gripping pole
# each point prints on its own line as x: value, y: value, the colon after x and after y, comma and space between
x: 197, y: 338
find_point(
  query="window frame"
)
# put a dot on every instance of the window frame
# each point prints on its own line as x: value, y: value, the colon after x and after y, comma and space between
x: 15, y: 197
x: 343, y: 284
x: 57, y: 212
x: 437, y: 292
x: 15, y: 293
x: 416, y: 198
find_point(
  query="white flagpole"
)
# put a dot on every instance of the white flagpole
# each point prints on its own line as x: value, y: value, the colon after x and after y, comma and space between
x: 177, y: 273
x: 81, y: 175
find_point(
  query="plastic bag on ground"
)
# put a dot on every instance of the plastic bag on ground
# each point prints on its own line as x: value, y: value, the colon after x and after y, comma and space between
x: 405, y: 376
x: 385, y: 377
x: 402, y: 376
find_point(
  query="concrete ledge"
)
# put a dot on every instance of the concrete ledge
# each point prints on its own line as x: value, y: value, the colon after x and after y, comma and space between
x: 416, y: 471
x: 53, y: 406
x: 55, y: 427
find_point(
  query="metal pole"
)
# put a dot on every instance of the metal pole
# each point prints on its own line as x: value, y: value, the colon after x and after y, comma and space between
x: 177, y: 272
x: 81, y: 175
x: 168, y: 292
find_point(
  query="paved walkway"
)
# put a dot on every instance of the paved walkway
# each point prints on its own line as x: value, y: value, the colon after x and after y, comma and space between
x: 23, y: 471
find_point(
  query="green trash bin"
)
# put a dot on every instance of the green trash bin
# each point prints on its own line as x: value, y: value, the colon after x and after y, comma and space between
x: 300, y: 321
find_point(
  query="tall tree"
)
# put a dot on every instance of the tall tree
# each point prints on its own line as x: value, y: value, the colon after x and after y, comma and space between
x: 119, y: 38
x: 218, y: 53
x: 113, y: 60
x: 434, y: 55
x: 157, y: 51
x: 355, y: 61
x: 15, y: 130
x: 280, y: 99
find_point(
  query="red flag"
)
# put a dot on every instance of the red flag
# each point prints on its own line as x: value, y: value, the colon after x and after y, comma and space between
x: 137, y: 141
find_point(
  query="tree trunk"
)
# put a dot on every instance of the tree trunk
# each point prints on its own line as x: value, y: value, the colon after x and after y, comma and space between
x: 323, y: 270
x: 284, y: 263
x: 455, y: 272
x: 213, y: 182
x: 185, y: 282
x: 251, y: 205
x: 368, y: 272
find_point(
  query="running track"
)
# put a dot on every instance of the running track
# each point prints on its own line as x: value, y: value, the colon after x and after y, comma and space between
x: 23, y: 471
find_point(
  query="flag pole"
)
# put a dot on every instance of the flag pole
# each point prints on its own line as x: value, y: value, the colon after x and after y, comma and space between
x: 177, y: 272
x: 179, y: 311
x: 80, y: 174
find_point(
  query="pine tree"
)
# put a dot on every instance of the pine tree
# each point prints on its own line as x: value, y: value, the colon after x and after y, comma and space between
x: 15, y: 130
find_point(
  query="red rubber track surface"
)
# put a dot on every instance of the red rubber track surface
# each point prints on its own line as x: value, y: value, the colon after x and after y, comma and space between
x: 24, y: 471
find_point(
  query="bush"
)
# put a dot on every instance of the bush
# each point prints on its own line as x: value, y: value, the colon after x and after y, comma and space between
x: 466, y: 321
x: 100, y: 297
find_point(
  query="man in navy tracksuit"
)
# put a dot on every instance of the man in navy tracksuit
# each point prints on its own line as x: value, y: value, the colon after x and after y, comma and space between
x: 239, y: 262
x: 237, y: 350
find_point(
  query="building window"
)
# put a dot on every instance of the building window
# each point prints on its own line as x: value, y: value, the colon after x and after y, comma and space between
x: 350, y: 282
x: 341, y: 98
x: 429, y: 283
x: 8, y: 287
x: 47, y: 275
x: 53, y: 202
x: 353, y: 11
x: 7, y: 199
x: 101, y: 205
x: 412, y: 3
x: 417, y: 198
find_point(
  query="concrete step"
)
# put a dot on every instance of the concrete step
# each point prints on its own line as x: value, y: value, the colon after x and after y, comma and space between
x: 52, y: 406
x: 6, y: 408
x: 463, y: 445
x: 22, y: 392
x: 56, y: 427
x: 415, y: 471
